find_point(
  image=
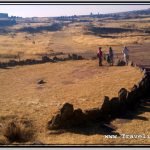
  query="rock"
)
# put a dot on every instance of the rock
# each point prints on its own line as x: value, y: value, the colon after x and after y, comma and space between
x: 130, y: 100
x: 92, y: 114
x: 78, y: 118
x: 41, y: 82
x: 130, y: 63
x: 12, y: 63
x: 4, y: 65
x: 144, y: 85
x: 135, y: 89
x: 66, y: 58
x: 144, y: 70
x: 115, y: 106
x: 21, y: 62
x: 55, y: 122
x: 105, y: 109
x: 74, y: 56
x: 80, y: 57
x: 132, y: 97
x: 120, y: 63
x: 122, y: 95
x: 55, y: 59
x: 138, y: 92
x: 66, y: 111
x: 45, y: 58
x: 28, y: 61
x: 63, y: 118
x: 69, y: 56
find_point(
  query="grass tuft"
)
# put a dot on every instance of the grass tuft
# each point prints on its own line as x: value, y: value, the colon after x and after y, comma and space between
x: 18, y: 131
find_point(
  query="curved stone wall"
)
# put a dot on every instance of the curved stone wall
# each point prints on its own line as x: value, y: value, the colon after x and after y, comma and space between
x: 68, y: 117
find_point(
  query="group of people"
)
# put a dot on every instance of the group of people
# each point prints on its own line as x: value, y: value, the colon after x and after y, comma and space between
x: 109, y: 57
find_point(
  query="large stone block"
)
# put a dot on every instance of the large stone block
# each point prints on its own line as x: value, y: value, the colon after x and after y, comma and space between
x: 66, y: 111
x: 105, y: 108
x: 93, y: 114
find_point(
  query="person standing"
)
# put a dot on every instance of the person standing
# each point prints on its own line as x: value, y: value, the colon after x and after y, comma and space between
x: 100, y: 55
x: 125, y: 52
x: 111, y: 56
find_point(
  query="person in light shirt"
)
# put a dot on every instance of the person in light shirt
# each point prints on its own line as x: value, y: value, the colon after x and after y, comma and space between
x: 125, y: 52
x: 111, y: 56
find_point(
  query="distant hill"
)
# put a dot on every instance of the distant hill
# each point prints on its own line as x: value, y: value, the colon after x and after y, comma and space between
x: 136, y: 12
x: 5, y: 20
x: 119, y: 15
x: 129, y: 14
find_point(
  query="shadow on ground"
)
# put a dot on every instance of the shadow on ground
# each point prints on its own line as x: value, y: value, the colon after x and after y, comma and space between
x: 90, y: 129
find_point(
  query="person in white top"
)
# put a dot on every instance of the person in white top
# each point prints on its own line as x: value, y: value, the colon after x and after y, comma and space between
x: 125, y: 52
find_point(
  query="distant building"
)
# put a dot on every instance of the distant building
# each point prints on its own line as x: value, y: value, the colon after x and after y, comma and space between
x: 5, y: 20
x: 3, y: 15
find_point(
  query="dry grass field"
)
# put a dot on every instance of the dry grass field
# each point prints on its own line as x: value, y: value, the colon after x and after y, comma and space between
x: 73, y: 38
x: 82, y: 83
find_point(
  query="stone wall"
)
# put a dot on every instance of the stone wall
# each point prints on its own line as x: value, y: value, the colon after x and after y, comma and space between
x: 44, y: 59
x: 68, y: 117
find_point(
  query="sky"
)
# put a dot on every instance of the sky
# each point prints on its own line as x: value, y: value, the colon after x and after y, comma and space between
x: 65, y: 10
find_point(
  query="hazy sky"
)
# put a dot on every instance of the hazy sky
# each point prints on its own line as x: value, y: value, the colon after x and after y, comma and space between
x: 61, y: 10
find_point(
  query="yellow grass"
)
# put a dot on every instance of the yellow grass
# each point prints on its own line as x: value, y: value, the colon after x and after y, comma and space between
x: 81, y: 83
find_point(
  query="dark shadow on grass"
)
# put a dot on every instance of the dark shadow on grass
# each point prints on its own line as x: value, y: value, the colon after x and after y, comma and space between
x: 90, y: 129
